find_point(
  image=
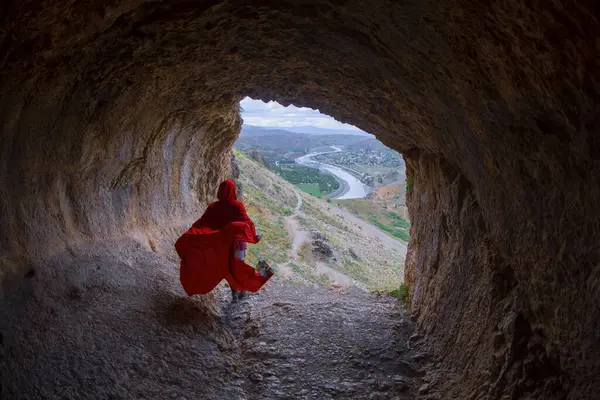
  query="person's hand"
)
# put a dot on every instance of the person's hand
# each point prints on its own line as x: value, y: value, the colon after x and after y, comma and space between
x: 258, y: 237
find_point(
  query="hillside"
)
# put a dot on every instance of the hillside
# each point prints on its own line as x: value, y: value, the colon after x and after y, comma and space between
x: 317, y: 242
x: 368, y: 144
x: 274, y: 144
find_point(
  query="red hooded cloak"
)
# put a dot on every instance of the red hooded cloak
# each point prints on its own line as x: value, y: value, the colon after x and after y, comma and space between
x: 207, y: 248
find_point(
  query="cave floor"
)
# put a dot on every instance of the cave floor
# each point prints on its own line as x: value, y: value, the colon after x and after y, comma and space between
x: 314, y: 342
x: 112, y: 322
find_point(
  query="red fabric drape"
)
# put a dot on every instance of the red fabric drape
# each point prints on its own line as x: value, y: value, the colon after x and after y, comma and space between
x: 206, y: 249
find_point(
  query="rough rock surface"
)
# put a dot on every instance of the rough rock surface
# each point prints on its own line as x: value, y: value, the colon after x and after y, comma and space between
x: 319, y: 343
x: 479, y: 313
x: 113, y: 322
x: 118, y: 116
x: 321, y: 248
x: 234, y: 171
x: 256, y: 156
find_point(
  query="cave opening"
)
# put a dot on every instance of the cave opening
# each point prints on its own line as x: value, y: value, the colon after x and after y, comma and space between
x: 348, y: 224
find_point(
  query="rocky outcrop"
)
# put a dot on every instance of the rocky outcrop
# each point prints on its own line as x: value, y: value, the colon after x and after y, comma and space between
x: 368, y: 180
x: 118, y: 117
x: 257, y: 156
x: 234, y: 167
x: 321, y: 249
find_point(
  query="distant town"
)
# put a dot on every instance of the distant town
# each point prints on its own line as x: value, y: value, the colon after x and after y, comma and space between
x: 385, y: 158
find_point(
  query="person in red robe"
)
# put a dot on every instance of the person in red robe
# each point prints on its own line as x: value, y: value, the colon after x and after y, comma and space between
x: 208, y: 249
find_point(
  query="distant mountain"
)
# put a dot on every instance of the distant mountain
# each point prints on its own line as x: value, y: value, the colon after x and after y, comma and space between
x: 311, y: 130
x: 273, y: 142
x: 255, y: 131
x: 368, y: 144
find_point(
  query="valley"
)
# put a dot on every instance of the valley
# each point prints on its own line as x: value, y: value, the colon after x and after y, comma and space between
x: 341, y: 166
x: 312, y: 241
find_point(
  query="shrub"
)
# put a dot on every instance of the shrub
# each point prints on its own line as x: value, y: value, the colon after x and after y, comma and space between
x: 401, y: 293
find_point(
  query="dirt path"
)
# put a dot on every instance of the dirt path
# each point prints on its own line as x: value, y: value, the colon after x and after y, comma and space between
x: 299, y: 237
x: 303, y: 342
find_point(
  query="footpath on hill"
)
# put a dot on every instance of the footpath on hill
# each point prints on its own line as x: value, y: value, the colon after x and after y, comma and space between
x: 301, y: 237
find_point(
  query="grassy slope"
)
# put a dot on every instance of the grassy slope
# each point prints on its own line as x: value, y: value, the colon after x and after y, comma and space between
x: 310, y: 188
x: 361, y: 257
x: 269, y: 199
x: 384, y: 215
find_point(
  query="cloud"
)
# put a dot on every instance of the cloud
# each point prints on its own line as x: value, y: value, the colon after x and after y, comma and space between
x: 273, y: 114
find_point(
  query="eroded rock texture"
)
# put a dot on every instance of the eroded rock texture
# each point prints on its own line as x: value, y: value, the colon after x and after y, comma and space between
x: 118, y: 117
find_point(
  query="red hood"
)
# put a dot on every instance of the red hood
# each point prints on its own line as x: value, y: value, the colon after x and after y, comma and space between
x: 227, y: 191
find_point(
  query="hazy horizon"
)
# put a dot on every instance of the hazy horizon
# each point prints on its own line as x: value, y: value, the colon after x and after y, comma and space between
x: 306, y: 129
x: 273, y: 115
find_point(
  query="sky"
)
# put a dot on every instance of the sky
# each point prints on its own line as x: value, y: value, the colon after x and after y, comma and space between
x: 273, y: 114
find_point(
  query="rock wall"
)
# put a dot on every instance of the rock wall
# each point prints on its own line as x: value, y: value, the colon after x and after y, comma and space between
x: 478, y: 318
x: 118, y: 116
x: 86, y: 162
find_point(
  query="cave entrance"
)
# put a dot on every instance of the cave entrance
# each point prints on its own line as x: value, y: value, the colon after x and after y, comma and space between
x: 328, y: 197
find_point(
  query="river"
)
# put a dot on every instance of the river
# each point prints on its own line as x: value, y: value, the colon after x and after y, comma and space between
x: 355, y: 189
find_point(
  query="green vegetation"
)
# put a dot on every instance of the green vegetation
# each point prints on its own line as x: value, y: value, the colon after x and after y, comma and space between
x: 274, y: 240
x: 324, y: 279
x: 310, y: 188
x: 395, y: 225
x: 372, y: 169
x: 379, y: 215
x: 309, y: 178
x: 269, y: 224
x: 257, y: 197
x: 401, y: 293
x: 399, y: 233
x: 318, y: 216
x: 397, y: 220
x: 359, y: 271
